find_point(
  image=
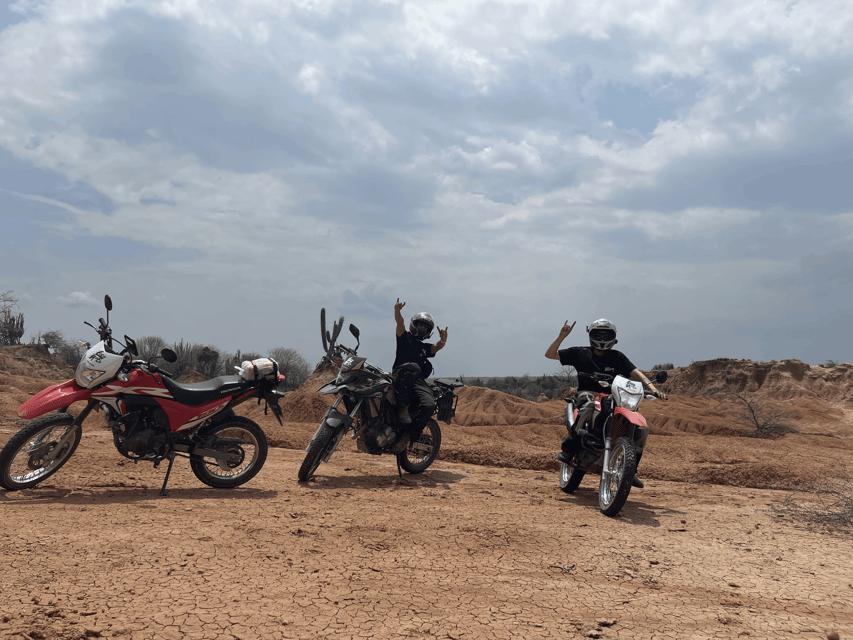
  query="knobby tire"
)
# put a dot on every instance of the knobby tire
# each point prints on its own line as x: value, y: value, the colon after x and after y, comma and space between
x: 27, y: 443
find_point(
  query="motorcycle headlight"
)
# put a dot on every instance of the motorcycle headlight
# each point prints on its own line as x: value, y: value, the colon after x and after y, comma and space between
x: 629, y: 401
x: 86, y: 376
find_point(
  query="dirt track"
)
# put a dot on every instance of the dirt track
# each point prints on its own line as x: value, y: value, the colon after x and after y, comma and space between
x: 462, y: 551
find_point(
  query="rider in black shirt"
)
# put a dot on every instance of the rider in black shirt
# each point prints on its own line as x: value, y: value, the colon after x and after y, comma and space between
x: 600, y: 357
x: 412, y: 368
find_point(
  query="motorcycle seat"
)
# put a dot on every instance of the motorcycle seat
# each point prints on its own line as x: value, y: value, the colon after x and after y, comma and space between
x: 197, y: 393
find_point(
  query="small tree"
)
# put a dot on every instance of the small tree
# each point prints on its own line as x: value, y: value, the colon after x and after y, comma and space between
x: 150, y: 346
x: 766, y: 422
x: 666, y: 366
x: 292, y: 364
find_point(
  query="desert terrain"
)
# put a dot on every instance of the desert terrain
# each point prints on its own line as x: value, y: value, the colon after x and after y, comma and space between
x: 482, y: 545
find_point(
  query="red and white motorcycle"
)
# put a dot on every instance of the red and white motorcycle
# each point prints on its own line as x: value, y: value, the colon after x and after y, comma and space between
x: 152, y: 417
x: 607, y: 446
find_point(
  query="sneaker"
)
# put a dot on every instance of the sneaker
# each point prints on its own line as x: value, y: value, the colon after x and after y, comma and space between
x: 562, y: 456
x: 403, y: 415
x: 636, y: 482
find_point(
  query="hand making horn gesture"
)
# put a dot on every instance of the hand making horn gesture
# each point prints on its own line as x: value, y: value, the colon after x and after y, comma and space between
x: 399, y: 305
x: 566, y: 329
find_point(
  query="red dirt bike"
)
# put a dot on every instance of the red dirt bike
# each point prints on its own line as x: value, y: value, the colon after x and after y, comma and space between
x: 607, y: 446
x: 152, y: 417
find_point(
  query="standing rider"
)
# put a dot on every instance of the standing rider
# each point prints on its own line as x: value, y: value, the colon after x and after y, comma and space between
x: 412, y: 368
x: 605, y: 359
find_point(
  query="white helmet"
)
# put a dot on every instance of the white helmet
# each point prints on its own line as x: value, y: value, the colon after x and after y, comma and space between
x: 602, y: 334
x: 421, y: 325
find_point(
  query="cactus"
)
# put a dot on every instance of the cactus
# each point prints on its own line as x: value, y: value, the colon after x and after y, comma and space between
x: 329, y: 339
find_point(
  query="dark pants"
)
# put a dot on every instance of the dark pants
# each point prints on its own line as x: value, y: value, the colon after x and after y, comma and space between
x: 585, y: 404
x: 413, y: 391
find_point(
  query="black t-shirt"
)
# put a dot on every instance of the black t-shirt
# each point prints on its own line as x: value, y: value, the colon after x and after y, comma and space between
x: 611, y: 362
x: 410, y: 349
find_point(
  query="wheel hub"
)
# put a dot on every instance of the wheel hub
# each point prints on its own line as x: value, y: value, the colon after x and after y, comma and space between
x: 36, y: 459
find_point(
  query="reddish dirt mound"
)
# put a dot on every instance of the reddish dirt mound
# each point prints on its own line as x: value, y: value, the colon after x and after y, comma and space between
x: 35, y: 361
x: 482, y: 406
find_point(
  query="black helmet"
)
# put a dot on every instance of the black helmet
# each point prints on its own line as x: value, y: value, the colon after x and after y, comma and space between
x: 421, y: 325
x: 602, y: 334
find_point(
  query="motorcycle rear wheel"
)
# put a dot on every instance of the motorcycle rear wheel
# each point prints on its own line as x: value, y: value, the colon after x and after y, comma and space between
x: 570, y: 477
x: 613, y: 490
x: 316, y: 451
x: 22, y: 459
x: 235, y: 434
x: 419, y: 455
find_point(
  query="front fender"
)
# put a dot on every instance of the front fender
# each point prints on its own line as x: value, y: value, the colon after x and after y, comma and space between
x: 634, y: 417
x: 52, y: 398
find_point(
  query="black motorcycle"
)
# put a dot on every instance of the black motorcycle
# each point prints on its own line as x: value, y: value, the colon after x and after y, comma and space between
x: 370, y: 411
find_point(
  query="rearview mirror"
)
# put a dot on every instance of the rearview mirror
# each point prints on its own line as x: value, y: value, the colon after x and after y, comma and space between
x: 661, y: 376
x: 108, y: 303
x: 354, y: 331
x: 169, y: 355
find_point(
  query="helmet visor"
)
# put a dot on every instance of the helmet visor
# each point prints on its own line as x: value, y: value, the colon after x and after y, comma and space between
x: 602, y: 335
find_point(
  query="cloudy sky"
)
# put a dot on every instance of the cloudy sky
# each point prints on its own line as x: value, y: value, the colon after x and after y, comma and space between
x: 225, y: 169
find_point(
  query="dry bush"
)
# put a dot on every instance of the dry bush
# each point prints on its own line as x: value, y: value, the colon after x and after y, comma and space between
x: 826, y: 504
x: 766, y: 422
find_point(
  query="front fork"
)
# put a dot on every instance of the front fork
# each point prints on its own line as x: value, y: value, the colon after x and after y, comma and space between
x: 608, y: 436
x: 68, y: 436
x: 335, y: 418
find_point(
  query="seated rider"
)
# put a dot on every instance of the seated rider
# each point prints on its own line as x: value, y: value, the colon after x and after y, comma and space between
x: 412, y: 368
x: 607, y: 360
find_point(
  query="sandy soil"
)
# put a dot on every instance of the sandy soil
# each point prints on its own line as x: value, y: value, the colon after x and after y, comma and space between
x: 482, y: 545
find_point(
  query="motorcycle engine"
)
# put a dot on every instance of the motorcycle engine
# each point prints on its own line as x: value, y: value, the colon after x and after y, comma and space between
x: 141, y: 434
x: 378, y: 436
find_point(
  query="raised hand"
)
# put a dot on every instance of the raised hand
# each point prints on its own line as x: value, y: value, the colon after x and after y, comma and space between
x: 399, y: 305
x: 442, y: 334
x: 565, y: 330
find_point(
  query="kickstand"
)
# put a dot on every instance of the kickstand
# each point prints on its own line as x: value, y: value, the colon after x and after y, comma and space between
x: 399, y: 471
x: 171, y: 456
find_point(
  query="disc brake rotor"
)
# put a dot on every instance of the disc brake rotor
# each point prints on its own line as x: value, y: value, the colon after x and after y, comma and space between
x: 36, y: 459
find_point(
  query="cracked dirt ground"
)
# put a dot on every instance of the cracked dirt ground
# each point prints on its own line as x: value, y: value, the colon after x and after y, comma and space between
x: 461, y: 551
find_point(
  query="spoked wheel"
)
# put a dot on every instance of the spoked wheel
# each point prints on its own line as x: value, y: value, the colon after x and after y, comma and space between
x: 421, y: 454
x: 570, y: 477
x: 316, y: 451
x: 236, y: 435
x: 614, y: 487
x: 22, y: 461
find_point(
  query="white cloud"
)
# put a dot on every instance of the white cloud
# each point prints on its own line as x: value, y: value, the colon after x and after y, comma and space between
x: 79, y: 299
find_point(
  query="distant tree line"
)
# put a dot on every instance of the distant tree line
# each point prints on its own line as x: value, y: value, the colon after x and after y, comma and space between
x: 208, y: 360
x: 527, y: 386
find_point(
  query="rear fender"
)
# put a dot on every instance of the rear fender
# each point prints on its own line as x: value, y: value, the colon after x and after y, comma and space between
x: 633, y: 417
x: 56, y: 397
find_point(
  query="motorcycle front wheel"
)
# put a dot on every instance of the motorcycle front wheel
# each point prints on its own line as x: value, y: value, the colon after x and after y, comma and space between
x: 22, y: 463
x: 419, y: 455
x: 614, y: 487
x: 237, y: 435
x: 570, y: 477
x: 316, y: 451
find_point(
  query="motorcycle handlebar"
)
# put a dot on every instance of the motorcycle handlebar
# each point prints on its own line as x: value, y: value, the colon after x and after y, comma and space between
x: 153, y: 368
